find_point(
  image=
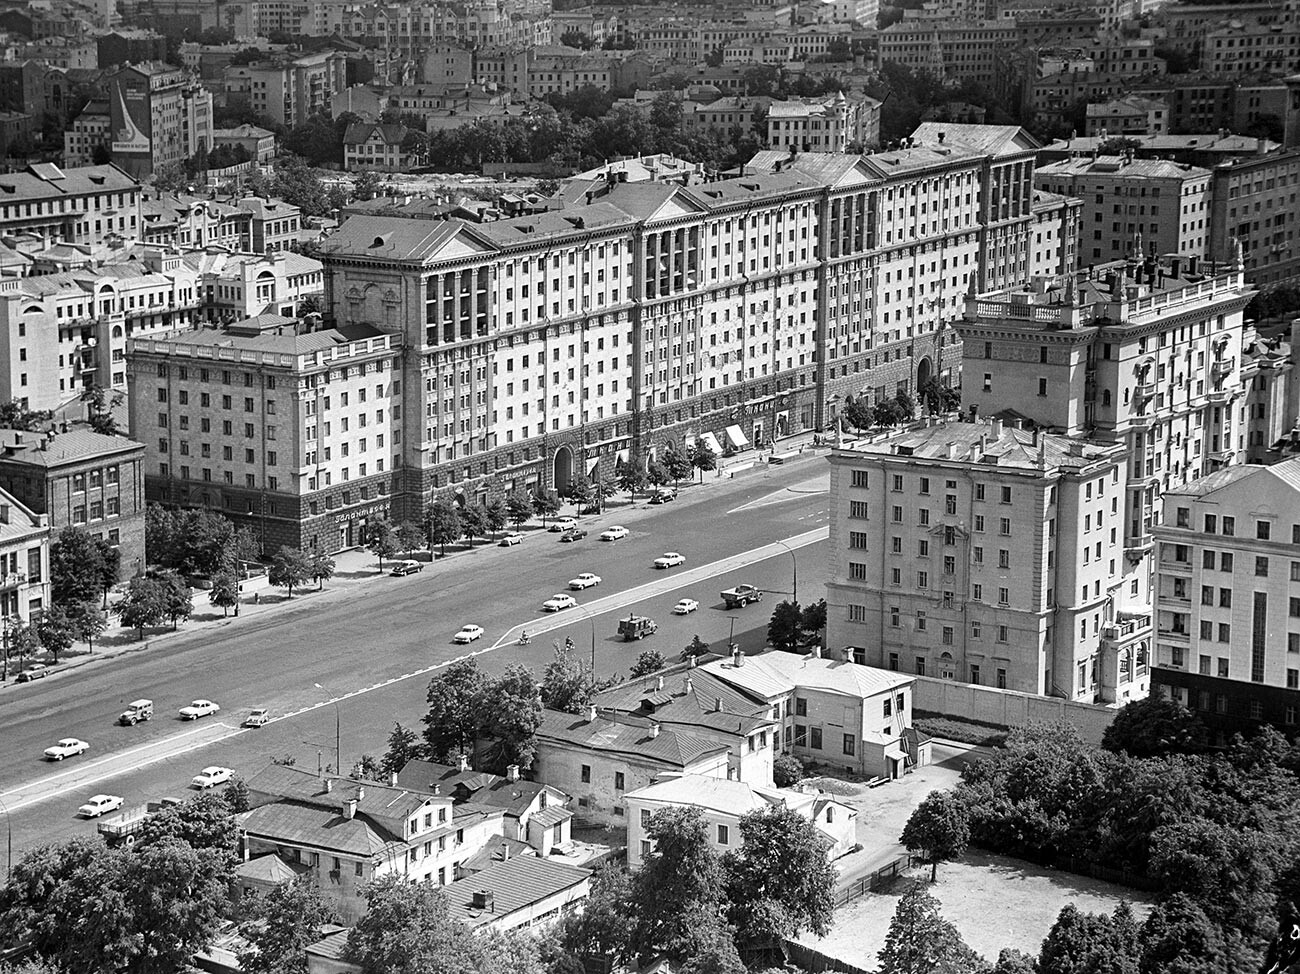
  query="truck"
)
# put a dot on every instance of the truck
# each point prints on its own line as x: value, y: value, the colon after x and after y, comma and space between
x: 636, y: 627
x: 741, y: 596
x: 121, y: 829
x: 135, y: 712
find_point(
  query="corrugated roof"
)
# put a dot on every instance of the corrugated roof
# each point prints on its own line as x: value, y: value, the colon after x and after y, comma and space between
x: 47, y: 181
x: 514, y: 884
x: 776, y: 673
x: 709, y: 703
x: 1121, y: 166
x: 390, y: 238
x: 997, y: 140
x: 295, y: 823
x: 53, y: 449
x: 723, y: 795
x: 1287, y: 471
x: 626, y: 735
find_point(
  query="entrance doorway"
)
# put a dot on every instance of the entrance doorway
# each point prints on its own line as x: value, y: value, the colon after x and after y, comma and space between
x: 563, y: 472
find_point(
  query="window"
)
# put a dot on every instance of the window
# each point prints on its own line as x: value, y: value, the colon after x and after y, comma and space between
x: 1004, y: 558
x: 724, y: 835
x: 1006, y: 495
x: 858, y: 509
x: 815, y: 738
x: 586, y: 774
x: 1261, y: 566
x: 800, y: 707
x: 1229, y: 526
x: 859, y: 478
x: 645, y: 817
x: 1004, y: 526
x: 920, y: 666
x: 858, y: 539
x: 645, y: 844
x: 850, y: 743
x: 1262, y: 530
x: 1208, y: 559
x: 618, y: 781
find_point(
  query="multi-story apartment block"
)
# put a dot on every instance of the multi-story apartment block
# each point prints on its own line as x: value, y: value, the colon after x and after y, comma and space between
x: 128, y: 44
x: 159, y: 115
x: 725, y: 115
x: 827, y: 124
x: 235, y: 287
x: 1268, y: 372
x: 289, y: 431
x: 79, y: 206
x: 1186, y: 24
x: 256, y: 141
x: 79, y: 478
x: 289, y: 89
x: 1206, y: 149
x: 958, y: 51
x: 247, y: 225
x: 1133, y: 203
x: 377, y: 147
x: 986, y: 554
x: 24, y: 560
x: 1228, y: 598
x: 1238, y: 48
x: 65, y: 332
x: 275, y: 226
x: 1130, y: 115
x: 1253, y: 203
x: 87, y: 136
x: 1056, y: 232
x: 1200, y: 103
x: 1141, y: 353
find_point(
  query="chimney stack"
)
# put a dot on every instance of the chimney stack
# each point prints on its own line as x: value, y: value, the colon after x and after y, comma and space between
x: 512, y: 772
x: 462, y: 762
x: 737, y: 657
x: 690, y: 686
x: 350, y: 809
x: 591, y: 714
x: 654, y: 730
x: 659, y: 683
x: 392, y: 779
x: 329, y: 785
x: 361, y: 792
x: 717, y: 705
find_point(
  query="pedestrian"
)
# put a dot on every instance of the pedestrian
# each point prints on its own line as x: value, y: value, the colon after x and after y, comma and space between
x: 257, y: 598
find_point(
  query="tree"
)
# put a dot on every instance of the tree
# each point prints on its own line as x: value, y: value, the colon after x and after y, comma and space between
x: 676, y: 464
x: 1153, y: 727
x: 546, y: 503
x: 1012, y: 961
x: 1091, y: 943
x: 779, y: 881
x: 678, y: 891
x: 143, y: 604
x: 368, y: 184
x: 787, y: 770
x: 648, y: 662
x: 656, y: 474
x: 938, y: 830
x: 812, y: 622
x: 564, y: 685
x: 921, y: 941
x: 407, y: 929
x: 381, y: 540
x: 442, y: 524
x: 409, y: 537
x: 602, y: 929
x: 289, y: 567
x: 367, y: 769
x: 55, y: 631
x: 632, y: 479
x: 322, y: 567
x: 88, y: 622
x: 100, y: 403
x: 178, y: 598
x: 697, y: 647
x: 15, y: 416
x: 512, y: 718
x: 202, y: 822
x: 236, y: 796
x: 603, y: 487
x: 403, y: 746
x: 225, y: 592
x: 473, y: 522
x: 519, y: 507
x: 1178, y: 938
x: 785, y: 630
x: 495, y: 514
x: 455, y: 716
x: 703, y: 459
x: 110, y: 566
x: 579, y: 492
x: 282, y: 924
x: 857, y: 413
x: 938, y: 397
x: 74, y: 567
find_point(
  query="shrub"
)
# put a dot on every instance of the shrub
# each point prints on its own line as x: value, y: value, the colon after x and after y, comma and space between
x: 787, y: 770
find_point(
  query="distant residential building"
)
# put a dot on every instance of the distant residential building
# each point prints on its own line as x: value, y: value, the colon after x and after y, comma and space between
x: 1269, y: 375
x: 1251, y: 205
x: 723, y: 803
x: 1057, y: 220
x: 60, y: 52
x: 22, y: 89
x: 1227, y: 599
x: 78, y: 205
x: 130, y: 44
x: 82, y: 479
x: 1131, y: 205
x: 88, y: 135
x: 15, y: 130
x: 1204, y: 149
x: 1131, y: 115
x: 1238, y: 48
x: 24, y: 559
x: 160, y: 116
x: 952, y: 50
x: 1202, y: 103
x: 521, y: 893
x: 243, y: 225
x: 236, y: 287
x: 723, y: 116
x: 825, y: 124
x: 375, y: 147
x: 287, y: 89
x: 274, y: 225
x: 257, y: 142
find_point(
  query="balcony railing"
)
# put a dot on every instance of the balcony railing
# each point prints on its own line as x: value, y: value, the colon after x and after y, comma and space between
x: 12, y: 579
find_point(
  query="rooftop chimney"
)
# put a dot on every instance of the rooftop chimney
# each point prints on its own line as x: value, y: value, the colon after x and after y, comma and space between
x: 329, y: 784
x: 717, y: 705
x: 512, y: 772
x: 437, y: 788
x: 350, y: 809
x: 995, y: 426
x: 361, y: 792
x: 654, y: 730
x: 462, y: 762
x: 659, y: 683
x: 591, y: 714
x: 690, y: 687
x: 737, y: 657
x: 392, y: 779
x: 816, y: 652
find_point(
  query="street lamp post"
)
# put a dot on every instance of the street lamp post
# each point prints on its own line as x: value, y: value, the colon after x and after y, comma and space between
x: 9, y: 842
x: 338, y: 733
x: 795, y: 571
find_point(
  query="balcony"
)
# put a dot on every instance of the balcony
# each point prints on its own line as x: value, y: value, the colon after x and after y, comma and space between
x: 1175, y: 635
x: 1222, y: 367
x: 1221, y: 456
x: 1138, y: 545
x: 12, y: 580
x: 1219, y: 397
x: 1144, y: 390
x: 1172, y: 567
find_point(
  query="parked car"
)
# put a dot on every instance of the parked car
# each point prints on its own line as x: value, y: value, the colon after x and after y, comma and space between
x: 100, y: 804
x: 513, y: 538
x: 257, y: 717
x: 135, y: 712
x: 670, y: 559
x: 685, y: 607
x: 558, y: 602
x: 211, y: 777
x: 468, y: 634
x: 616, y: 533
x: 636, y: 627
x: 573, y: 534
x: 583, y: 581
x: 407, y: 568
x: 662, y: 495
x: 562, y: 524
x: 66, y: 748
x: 35, y: 671
x: 199, y: 708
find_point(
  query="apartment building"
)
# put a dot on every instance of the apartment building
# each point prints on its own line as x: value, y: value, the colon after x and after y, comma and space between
x: 1145, y: 354
x: 159, y: 116
x: 1205, y: 149
x: 1132, y: 205
x: 1054, y: 248
x: 274, y: 225
x: 1253, y: 204
x: 958, y: 51
x: 1238, y: 48
x: 987, y: 554
x: 75, y: 477
x: 129, y: 44
x: 88, y: 135
x: 287, y: 89
x: 1227, y: 598
x: 723, y: 116
x: 78, y: 206
x: 24, y: 561
x: 1130, y: 115
x: 256, y: 141
x: 827, y: 124
x: 1200, y: 103
x: 234, y: 287
x: 1268, y: 373
x: 66, y: 331
x: 375, y: 147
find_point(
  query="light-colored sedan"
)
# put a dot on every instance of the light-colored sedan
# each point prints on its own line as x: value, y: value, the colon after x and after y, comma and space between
x: 583, y: 581
x: 557, y: 602
x: 513, y: 538
x: 211, y: 777
x: 468, y: 634
x: 616, y: 533
x: 670, y: 559
x: 685, y: 607
x: 257, y: 717
x: 562, y: 524
x: 408, y: 567
x: 66, y: 748
x: 99, y: 805
x: 199, y: 708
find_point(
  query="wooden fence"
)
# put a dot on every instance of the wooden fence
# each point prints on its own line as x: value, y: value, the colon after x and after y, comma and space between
x: 872, y: 883
x: 814, y: 961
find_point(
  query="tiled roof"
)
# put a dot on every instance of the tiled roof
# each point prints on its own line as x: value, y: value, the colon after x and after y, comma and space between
x: 776, y: 673
x: 626, y: 735
x: 359, y: 133
x: 55, y: 449
x: 514, y: 884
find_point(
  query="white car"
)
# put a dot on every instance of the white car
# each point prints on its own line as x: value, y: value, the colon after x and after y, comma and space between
x: 585, y: 580
x: 557, y: 602
x: 513, y: 538
x: 616, y: 533
x: 98, y: 805
x: 406, y: 568
x: 670, y: 559
x: 562, y: 524
x: 199, y: 708
x: 211, y: 777
x: 66, y: 748
x: 257, y: 717
x: 467, y: 634
x: 685, y: 607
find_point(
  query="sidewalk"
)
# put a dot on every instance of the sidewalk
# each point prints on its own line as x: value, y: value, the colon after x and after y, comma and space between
x: 358, y: 565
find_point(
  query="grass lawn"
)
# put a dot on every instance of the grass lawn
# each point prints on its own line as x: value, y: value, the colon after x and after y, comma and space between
x: 994, y: 901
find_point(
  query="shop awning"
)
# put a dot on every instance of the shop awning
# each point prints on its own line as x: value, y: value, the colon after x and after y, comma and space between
x: 711, y: 441
x: 736, y: 438
x: 592, y: 465
x: 622, y: 457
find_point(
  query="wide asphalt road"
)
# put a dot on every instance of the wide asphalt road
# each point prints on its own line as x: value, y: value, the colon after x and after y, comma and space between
x: 373, y: 646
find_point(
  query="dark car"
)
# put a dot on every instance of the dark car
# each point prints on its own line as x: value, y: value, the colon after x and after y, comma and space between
x: 36, y: 671
x: 573, y: 534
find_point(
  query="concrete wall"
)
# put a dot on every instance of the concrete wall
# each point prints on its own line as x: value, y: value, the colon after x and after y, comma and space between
x: 1008, y: 707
